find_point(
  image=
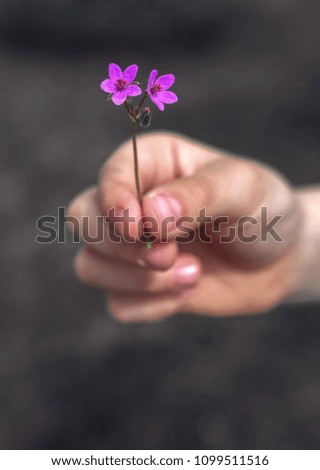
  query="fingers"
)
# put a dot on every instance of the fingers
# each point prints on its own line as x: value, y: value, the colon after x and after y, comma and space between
x: 106, y: 273
x: 86, y: 219
x: 152, y: 307
x: 162, y: 157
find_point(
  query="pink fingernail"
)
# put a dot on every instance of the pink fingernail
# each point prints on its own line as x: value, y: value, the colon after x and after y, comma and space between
x: 165, y: 206
x: 186, y: 274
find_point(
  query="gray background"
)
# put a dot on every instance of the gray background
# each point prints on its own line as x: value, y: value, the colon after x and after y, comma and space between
x: 248, y: 80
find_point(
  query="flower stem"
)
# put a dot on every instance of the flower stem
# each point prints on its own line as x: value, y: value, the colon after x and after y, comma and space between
x: 140, y: 104
x: 128, y: 109
x: 135, y: 159
x: 134, y: 122
x: 146, y: 236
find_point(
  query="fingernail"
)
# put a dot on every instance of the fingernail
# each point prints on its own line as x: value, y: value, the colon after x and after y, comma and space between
x: 186, y: 274
x: 164, y: 205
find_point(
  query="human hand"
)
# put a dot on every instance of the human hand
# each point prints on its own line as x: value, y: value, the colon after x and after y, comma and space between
x: 180, y: 177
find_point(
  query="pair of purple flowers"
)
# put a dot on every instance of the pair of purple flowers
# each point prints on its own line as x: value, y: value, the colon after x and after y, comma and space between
x: 121, y: 86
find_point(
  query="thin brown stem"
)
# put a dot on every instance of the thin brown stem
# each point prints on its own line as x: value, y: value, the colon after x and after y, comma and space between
x: 128, y: 109
x: 140, y: 104
x: 134, y: 121
x: 136, y: 163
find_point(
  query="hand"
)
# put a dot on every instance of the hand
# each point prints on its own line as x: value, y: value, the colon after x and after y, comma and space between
x: 179, y: 177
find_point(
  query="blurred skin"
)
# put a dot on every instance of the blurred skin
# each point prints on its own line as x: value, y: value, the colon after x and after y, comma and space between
x: 180, y: 176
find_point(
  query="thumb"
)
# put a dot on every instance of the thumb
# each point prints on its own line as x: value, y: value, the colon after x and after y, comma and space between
x: 228, y: 186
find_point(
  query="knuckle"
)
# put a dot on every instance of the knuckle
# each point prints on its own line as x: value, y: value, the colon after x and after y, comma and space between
x: 79, y: 205
x: 74, y: 209
x: 83, y: 270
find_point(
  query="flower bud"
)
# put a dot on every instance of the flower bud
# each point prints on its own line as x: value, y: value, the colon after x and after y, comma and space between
x: 145, y: 117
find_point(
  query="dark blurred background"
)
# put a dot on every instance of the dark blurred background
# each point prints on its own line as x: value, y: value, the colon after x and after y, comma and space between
x: 247, y: 75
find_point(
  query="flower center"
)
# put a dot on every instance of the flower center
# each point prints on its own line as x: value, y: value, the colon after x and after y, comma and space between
x: 156, y: 88
x: 120, y: 84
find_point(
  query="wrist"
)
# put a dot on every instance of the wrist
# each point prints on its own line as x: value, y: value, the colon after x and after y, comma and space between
x: 307, y: 284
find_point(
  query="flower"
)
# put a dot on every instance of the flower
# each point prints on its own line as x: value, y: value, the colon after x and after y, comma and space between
x: 157, y: 89
x: 119, y: 83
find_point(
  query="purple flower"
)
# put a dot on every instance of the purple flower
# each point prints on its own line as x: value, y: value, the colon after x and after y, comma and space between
x: 119, y: 83
x: 157, y: 89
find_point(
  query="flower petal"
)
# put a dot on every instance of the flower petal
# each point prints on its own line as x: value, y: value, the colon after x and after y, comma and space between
x: 167, y: 97
x: 130, y: 73
x: 166, y: 80
x: 108, y: 86
x: 119, y: 97
x: 115, y: 72
x: 133, y: 90
x: 152, y: 78
x: 157, y: 102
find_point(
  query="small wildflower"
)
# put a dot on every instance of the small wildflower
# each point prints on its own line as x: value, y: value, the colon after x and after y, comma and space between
x: 119, y: 84
x: 157, y: 89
